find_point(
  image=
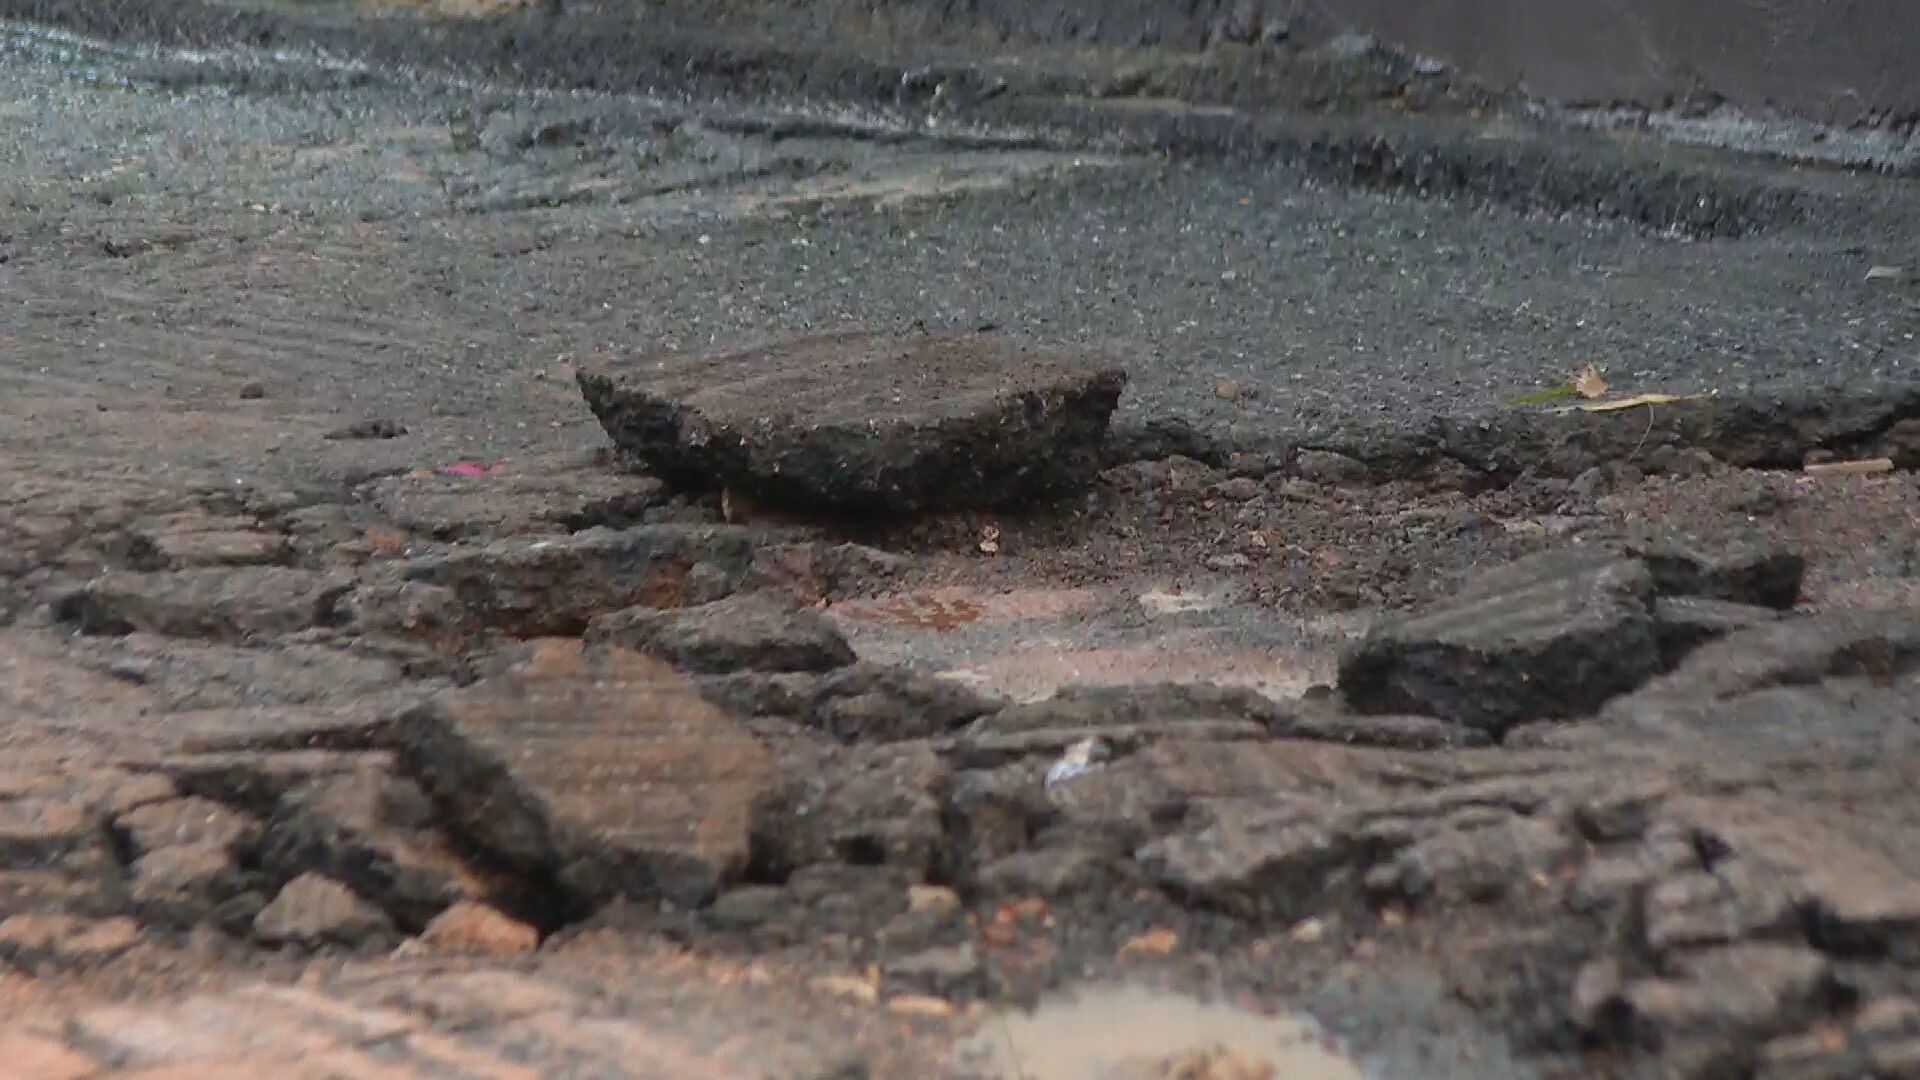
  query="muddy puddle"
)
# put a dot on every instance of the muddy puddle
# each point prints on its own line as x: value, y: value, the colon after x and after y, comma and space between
x: 1026, y: 644
x: 1139, y: 1033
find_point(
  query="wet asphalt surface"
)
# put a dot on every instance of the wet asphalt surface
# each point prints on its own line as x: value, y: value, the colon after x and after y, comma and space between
x: 1245, y: 299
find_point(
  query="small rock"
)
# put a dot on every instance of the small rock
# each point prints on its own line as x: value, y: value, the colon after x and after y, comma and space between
x: 314, y: 912
x: 932, y: 899
x: 1239, y: 489
x: 1327, y: 467
x: 1229, y: 390
x: 943, y: 971
x: 864, y: 420
x: 253, y: 391
x: 378, y: 427
x: 479, y: 928
x: 754, y: 632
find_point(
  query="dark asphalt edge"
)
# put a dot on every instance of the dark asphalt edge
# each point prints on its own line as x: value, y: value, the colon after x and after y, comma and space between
x: 1530, y: 168
x: 1493, y: 448
x: 1533, y: 170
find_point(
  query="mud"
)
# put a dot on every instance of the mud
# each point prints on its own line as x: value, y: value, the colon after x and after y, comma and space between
x: 365, y: 707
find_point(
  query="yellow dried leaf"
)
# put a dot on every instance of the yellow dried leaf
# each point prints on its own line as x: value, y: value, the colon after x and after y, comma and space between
x: 1633, y: 402
x: 920, y: 1005
x: 848, y: 986
x: 1158, y: 941
x: 1864, y: 467
x: 1588, y: 383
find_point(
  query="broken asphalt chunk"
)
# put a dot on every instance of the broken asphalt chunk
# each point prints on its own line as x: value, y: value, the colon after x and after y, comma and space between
x: 554, y: 586
x: 755, y: 632
x: 599, y: 768
x: 1552, y: 636
x: 315, y: 912
x: 1746, y: 571
x: 1558, y: 634
x: 230, y: 604
x: 864, y: 420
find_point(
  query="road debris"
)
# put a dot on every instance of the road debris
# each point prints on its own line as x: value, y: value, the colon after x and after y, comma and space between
x: 864, y: 420
x: 1080, y: 758
x: 1159, y: 941
x: 1860, y: 467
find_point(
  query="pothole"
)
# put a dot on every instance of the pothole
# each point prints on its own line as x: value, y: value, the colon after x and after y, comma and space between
x: 1027, y: 643
x: 1130, y: 1032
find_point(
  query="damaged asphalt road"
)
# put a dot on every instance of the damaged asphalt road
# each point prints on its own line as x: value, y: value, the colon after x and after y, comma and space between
x: 399, y: 670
